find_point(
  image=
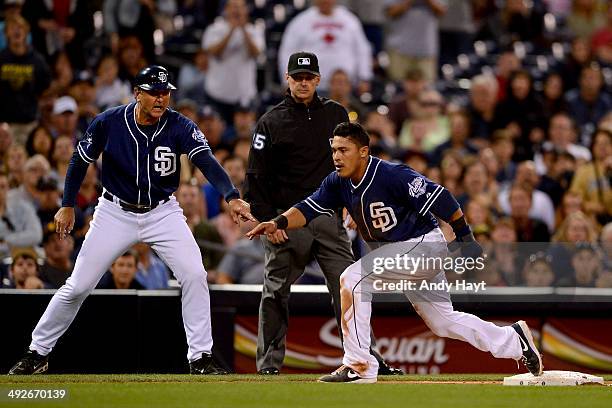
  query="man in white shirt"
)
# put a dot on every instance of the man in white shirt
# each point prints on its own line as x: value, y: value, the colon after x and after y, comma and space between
x: 233, y: 45
x: 336, y: 36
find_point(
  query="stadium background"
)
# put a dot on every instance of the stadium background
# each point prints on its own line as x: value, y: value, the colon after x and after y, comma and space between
x: 532, y: 78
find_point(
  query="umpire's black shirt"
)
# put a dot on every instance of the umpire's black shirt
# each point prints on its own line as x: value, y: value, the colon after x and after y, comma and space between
x: 290, y: 154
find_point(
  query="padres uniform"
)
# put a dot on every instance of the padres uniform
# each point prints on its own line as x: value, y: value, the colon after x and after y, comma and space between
x: 140, y: 172
x: 393, y: 204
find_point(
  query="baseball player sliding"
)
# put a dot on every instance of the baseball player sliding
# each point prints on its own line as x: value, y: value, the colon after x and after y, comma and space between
x: 394, y: 208
x: 140, y: 145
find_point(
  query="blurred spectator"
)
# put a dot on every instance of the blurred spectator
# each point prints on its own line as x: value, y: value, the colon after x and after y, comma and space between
x: 429, y: 127
x: 553, y: 95
x: 605, y: 240
x: 587, y: 265
x: 122, y: 273
x: 24, y: 75
x: 19, y: 225
x: 403, y: 106
x: 243, y: 263
x: 577, y: 228
x: 560, y: 168
x: 579, y: 56
x: 336, y: 36
x: 6, y: 141
x: 451, y: 169
x: 562, y: 137
x: 65, y: 118
x: 190, y: 198
x: 243, y: 124
x: 585, y: 18
x: 560, y: 8
x: 601, y: 41
x: 110, y: 90
x: 503, y: 253
x: 412, y: 37
x: 11, y: 8
x: 83, y: 90
x: 459, y: 123
x: 521, y: 113
x: 476, y: 181
x: 58, y: 264
x: 152, y: 272
x: 592, y: 180
x: 90, y: 189
x: 489, y: 159
x: 373, y: 18
x: 542, y: 208
x: 457, y: 30
x: 131, y: 57
x: 378, y: 124
x: 570, y: 203
x: 507, y: 63
x: 192, y: 78
x: 538, y: 271
x: 212, y: 125
x: 241, y: 149
x: 40, y: 141
x: 35, y: 168
x: 236, y: 169
x: 124, y: 18
x: 589, y: 103
x: 482, y: 107
x: 233, y: 45
x: 62, y: 153
x: 478, y: 213
x: 340, y: 90
x: 60, y: 26
x: 503, y: 148
x: 188, y: 108
x: 62, y: 71
x: 527, y: 229
x: 23, y: 273
x: 16, y: 157
x: 517, y: 20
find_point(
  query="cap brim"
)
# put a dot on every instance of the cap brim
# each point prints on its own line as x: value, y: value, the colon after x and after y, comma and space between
x: 302, y: 71
x: 157, y: 87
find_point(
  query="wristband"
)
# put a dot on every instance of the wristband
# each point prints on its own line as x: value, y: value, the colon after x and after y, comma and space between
x: 281, y: 222
x: 462, y: 229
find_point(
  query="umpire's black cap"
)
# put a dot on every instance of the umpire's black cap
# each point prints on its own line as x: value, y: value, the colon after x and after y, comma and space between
x: 153, y: 78
x: 303, y: 62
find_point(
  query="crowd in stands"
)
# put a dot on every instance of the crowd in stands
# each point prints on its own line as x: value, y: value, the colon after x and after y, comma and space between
x: 507, y: 103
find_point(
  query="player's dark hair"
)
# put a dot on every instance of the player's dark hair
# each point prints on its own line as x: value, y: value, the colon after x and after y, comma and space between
x: 353, y: 131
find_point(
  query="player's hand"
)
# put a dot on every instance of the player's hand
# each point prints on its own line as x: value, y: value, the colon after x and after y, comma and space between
x: 240, y: 210
x: 64, y: 221
x: 277, y: 237
x: 266, y: 228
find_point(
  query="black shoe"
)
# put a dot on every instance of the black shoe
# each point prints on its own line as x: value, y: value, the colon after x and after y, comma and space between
x: 531, y: 356
x: 386, y: 369
x: 30, y: 363
x: 269, y: 371
x: 206, y: 365
x: 345, y: 374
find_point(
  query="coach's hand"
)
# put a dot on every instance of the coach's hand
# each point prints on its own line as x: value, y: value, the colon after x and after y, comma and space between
x: 240, y: 210
x: 64, y: 221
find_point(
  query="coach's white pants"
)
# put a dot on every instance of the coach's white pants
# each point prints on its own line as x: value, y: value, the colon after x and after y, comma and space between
x: 111, y: 233
x: 435, y: 308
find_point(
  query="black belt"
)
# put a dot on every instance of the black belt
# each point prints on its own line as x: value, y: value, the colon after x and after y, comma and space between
x: 135, y: 208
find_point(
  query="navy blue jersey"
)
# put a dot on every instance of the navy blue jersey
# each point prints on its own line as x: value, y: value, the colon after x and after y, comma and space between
x: 137, y: 168
x: 391, y: 203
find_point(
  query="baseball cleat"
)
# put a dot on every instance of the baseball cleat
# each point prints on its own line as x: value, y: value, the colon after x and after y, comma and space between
x: 386, y: 369
x: 269, y: 371
x: 531, y: 356
x: 345, y: 374
x: 30, y: 363
x: 205, y: 365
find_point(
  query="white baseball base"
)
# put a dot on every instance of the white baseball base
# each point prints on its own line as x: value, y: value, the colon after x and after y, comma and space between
x: 554, y: 378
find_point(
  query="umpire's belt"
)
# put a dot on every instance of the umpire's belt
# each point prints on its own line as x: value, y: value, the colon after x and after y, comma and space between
x: 135, y: 208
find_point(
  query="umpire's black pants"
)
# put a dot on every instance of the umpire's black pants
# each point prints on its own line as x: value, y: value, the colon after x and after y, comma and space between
x: 324, y: 238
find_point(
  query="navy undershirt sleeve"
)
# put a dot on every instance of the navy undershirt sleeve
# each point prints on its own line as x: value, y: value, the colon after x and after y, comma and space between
x: 212, y: 170
x: 74, y: 177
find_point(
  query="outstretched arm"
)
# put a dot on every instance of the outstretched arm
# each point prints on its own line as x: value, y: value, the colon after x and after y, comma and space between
x: 290, y: 219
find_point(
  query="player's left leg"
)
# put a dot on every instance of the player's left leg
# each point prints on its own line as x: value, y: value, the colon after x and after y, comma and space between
x: 436, y: 310
x: 164, y: 228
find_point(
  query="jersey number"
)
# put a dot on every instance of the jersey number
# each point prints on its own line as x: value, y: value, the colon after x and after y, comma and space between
x: 383, y: 217
x: 165, y: 161
x: 258, y: 141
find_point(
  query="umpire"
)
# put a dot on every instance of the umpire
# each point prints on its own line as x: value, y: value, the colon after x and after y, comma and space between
x: 290, y: 156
